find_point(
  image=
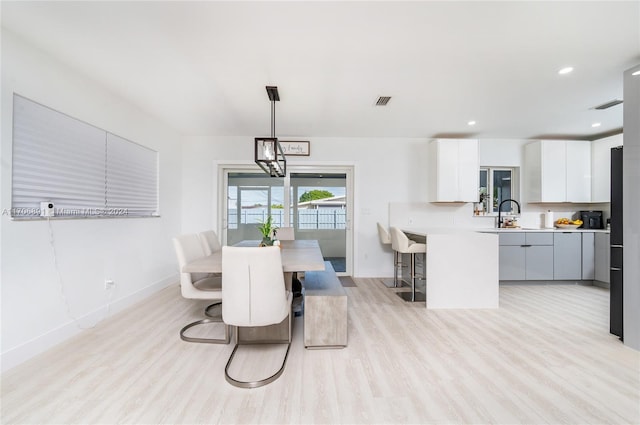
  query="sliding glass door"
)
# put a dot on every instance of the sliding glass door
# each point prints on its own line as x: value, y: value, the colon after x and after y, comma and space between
x: 319, y: 207
x: 251, y: 198
x: 318, y: 210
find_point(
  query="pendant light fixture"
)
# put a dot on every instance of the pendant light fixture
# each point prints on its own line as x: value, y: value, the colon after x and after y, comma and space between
x: 268, y: 152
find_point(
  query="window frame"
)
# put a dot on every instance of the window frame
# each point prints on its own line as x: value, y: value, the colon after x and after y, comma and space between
x: 83, y: 171
x: 489, y: 199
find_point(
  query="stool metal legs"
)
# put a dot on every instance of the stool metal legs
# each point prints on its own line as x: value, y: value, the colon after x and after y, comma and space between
x: 412, y: 296
x: 395, y: 283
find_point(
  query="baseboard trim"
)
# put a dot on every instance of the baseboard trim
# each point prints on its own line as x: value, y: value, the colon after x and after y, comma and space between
x: 15, y: 356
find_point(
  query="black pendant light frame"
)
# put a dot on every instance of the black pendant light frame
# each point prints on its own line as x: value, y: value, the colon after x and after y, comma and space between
x: 268, y: 152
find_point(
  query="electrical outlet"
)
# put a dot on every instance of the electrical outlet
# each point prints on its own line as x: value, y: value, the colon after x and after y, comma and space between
x: 109, y: 284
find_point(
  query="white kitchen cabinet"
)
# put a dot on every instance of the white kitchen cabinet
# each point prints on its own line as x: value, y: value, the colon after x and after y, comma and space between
x: 567, y: 256
x: 578, y: 170
x: 558, y: 171
x: 601, y: 167
x: 602, y: 253
x: 454, y: 170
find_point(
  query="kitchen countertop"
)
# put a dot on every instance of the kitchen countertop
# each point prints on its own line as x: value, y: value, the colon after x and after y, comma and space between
x: 526, y: 229
x: 453, y: 230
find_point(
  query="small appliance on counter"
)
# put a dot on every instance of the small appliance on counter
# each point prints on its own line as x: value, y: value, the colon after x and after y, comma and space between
x: 591, y: 219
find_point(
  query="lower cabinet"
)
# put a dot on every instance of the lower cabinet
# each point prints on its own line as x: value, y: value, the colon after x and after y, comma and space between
x: 567, y: 256
x: 588, y: 256
x: 550, y: 255
x: 526, y: 256
x: 602, y: 252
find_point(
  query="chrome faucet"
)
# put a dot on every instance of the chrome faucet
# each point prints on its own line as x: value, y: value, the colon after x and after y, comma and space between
x: 500, y: 210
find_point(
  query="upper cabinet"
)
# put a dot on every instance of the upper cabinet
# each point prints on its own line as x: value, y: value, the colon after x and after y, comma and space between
x: 601, y: 167
x: 558, y: 171
x: 454, y: 170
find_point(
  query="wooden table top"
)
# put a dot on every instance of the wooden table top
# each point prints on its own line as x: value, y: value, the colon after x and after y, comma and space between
x: 297, y: 256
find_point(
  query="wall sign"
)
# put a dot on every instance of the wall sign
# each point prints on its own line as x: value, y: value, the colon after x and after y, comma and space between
x: 291, y: 148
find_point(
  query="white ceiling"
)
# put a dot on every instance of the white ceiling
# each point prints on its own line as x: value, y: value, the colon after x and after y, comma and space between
x: 202, y: 67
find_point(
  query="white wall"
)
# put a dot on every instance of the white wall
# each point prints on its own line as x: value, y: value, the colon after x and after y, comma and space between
x: 631, y: 209
x: 386, y: 170
x: 390, y: 187
x: 136, y: 253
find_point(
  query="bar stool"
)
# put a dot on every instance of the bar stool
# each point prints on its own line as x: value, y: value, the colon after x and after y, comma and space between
x: 401, y: 244
x: 385, y: 239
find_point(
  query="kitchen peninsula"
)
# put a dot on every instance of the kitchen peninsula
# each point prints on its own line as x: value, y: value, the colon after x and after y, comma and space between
x: 461, y: 267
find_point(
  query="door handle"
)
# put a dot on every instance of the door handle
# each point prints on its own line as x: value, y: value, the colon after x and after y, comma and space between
x: 525, y: 246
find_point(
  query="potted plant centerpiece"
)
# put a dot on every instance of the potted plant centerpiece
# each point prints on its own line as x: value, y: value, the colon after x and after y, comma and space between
x: 268, y: 231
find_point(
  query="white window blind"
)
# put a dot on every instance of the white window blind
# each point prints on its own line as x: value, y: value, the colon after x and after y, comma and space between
x: 83, y: 170
x: 132, y: 177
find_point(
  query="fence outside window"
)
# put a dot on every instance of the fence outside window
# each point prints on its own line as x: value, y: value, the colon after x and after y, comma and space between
x: 317, y: 219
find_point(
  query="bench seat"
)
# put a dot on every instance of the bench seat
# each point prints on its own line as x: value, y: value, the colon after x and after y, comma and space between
x: 325, y: 309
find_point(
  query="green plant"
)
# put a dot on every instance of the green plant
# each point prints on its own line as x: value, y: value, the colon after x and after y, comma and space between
x: 267, y: 228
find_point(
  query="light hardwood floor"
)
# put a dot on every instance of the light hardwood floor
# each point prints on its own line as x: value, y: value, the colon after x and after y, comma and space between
x: 545, y: 356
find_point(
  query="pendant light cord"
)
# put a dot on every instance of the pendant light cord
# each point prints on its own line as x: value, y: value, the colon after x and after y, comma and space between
x: 273, y: 119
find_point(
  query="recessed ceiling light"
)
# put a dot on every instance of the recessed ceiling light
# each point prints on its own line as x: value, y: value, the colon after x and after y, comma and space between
x: 565, y: 70
x: 636, y: 73
x: 471, y: 122
x: 596, y: 124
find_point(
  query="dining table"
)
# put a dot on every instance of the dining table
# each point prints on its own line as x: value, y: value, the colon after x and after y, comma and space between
x: 297, y: 256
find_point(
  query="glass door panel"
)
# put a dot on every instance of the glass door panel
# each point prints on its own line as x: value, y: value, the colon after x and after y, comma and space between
x: 319, y: 211
x: 251, y: 198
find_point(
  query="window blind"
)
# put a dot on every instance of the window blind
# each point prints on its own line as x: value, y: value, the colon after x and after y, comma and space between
x: 132, y: 177
x: 82, y: 170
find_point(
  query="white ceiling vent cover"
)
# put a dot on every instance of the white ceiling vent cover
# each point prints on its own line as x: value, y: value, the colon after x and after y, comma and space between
x: 383, y: 100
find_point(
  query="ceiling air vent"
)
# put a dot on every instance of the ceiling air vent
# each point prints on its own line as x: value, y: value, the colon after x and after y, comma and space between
x: 609, y: 104
x: 383, y: 100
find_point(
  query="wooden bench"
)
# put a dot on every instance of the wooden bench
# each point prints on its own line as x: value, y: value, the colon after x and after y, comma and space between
x: 325, y: 309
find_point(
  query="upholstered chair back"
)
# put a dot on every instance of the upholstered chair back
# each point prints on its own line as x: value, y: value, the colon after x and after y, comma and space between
x: 384, y: 236
x: 285, y: 234
x: 210, y: 242
x: 399, y: 241
x: 253, y: 286
x: 189, y: 248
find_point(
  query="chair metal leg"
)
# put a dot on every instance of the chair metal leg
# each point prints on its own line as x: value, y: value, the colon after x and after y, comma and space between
x: 227, y: 335
x: 260, y: 382
x: 412, y: 296
x: 397, y: 280
x: 393, y: 283
x: 208, y: 313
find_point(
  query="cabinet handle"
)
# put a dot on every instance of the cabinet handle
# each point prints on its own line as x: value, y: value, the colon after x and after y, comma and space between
x: 525, y: 246
x: 616, y: 269
x: 617, y: 246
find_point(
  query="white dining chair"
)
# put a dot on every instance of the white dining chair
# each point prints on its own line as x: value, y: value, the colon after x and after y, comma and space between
x: 210, y: 242
x: 198, y: 286
x: 254, y: 294
x: 285, y: 234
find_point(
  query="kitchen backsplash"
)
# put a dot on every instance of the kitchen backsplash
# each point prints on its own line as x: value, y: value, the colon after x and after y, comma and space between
x: 425, y: 214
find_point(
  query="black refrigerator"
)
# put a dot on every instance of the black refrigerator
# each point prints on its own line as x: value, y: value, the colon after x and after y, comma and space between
x: 615, y: 273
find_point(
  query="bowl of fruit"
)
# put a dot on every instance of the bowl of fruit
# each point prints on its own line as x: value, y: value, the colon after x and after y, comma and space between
x: 565, y: 223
